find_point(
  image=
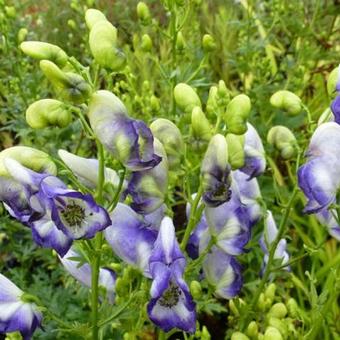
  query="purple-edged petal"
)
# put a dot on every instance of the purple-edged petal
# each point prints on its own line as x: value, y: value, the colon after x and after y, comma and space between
x: 154, y: 219
x: 329, y: 219
x: 335, y: 107
x: 223, y: 272
x: 130, y: 237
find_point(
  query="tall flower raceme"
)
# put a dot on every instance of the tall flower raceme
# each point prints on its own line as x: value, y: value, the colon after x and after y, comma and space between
x: 130, y: 141
x: 17, y: 311
x: 171, y: 305
x: 81, y: 271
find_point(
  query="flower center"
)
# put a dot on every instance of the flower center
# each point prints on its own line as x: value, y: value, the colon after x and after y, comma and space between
x: 170, y: 297
x: 73, y: 214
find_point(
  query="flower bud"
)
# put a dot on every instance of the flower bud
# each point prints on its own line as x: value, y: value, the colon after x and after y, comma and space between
x: 237, y: 113
x: 233, y: 308
x: 171, y: 138
x: 186, y: 97
x: 279, y: 325
x: 154, y: 103
x: 278, y: 310
x: 223, y: 93
x: 239, y: 336
x: 180, y: 43
x: 92, y: 16
x: 283, y: 140
x: 288, y: 101
x: 195, y: 289
x: 48, y: 112
x: 201, y: 129
x: 103, y: 46
x: 22, y: 34
x: 208, y: 43
x: 71, y: 86
x: 236, y: 151
x: 10, y: 11
x: 212, y: 106
x: 29, y: 157
x: 42, y: 50
x: 293, y: 308
x: 143, y: 12
x: 252, y: 329
x: 332, y: 81
x: 205, y: 335
x: 272, y: 333
x: 72, y: 24
x: 269, y: 293
x: 261, y: 303
x: 122, y: 287
x: 146, y: 45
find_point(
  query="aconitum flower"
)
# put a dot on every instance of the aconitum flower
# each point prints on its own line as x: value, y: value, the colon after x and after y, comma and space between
x: 319, y: 177
x: 223, y: 272
x: 171, y: 305
x: 148, y: 188
x: 130, y: 237
x: 329, y: 218
x: 82, y: 272
x: 129, y: 140
x: 215, y: 172
x: 255, y: 160
x: 269, y: 235
x: 17, y: 313
x: 335, y: 106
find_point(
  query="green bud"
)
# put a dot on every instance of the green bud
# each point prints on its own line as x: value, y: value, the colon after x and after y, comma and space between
x: 279, y: 325
x: 122, y: 287
x: 288, y: 101
x: 29, y: 157
x: 205, y: 335
x: 201, y: 128
x: 233, y: 308
x: 237, y: 113
x: 261, y: 303
x: 22, y: 34
x: 103, y: 46
x: 92, y: 16
x: 260, y: 336
x: 48, y: 112
x: 208, y: 43
x: 143, y: 12
x: 212, y: 106
x: 293, y: 308
x: 195, y: 289
x: 283, y: 140
x: 236, y: 150
x: 71, y: 23
x: 44, y: 51
x: 186, y: 97
x: 252, y: 329
x: 180, y: 43
x: 154, y: 103
x: 326, y: 116
x: 272, y: 333
x: 146, y: 43
x: 239, y: 336
x: 71, y: 86
x: 269, y: 293
x: 222, y: 90
x: 333, y: 79
x: 278, y: 310
x: 10, y: 11
x: 171, y: 138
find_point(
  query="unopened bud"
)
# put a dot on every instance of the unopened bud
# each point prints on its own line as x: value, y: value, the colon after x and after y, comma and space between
x: 233, y: 308
x: 261, y: 303
x: 283, y: 140
x: 208, y: 43
x: 154, y: 103
x: 92, y: 16
x: 279, y: 325
x: 293, y: 308
x: 186, y: 97
x: 22, y: 34
x: 10, y: 11
x: 72, y: 24
x: 270, y: 292
x: 252, y: 329
x: 195, y: 289
x: 278, y: 310
x: 180, y: 43
x: 288, y: 101
x: 201, y: 128
x: 205, y: 335
x: 239, y: 336
x: 333, y: 82
x: 146, y: 44
x: 272, y: 333
x: 236, y: 150
x: 143, y: 12
x: 121, y: 287
x: 212, y: 106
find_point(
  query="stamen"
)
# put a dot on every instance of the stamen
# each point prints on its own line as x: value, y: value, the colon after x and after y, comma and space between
x: 170, y: 297
x: 73, y: 214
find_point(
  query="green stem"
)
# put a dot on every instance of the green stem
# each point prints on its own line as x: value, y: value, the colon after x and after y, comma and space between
x: 115, y: 199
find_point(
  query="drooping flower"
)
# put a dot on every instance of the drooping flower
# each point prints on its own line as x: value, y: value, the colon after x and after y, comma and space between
x: 255, y: 160
x: 82, y: 272
x: 148, y: 188
x: 171, y: 305
x: 319, y: 177
x: 215, y: 172
x: 129, y: 140
x: 17, y: 314
x: 269, y: 235
x: 130, y: 237
x: 223, y: 272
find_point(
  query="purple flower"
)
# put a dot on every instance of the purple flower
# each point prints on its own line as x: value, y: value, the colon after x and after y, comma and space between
x: 223, y: 272
x: 255, y: 160
x: 335, y: 107
x: 171, y: 305
x: 215, y: 172
x: 129, y: 140
x: 319, y: 177
x: 130, y: 237
x: 148, y: 188
x: 82, y: 272
x: 16, y: 314
x: 330, y: 219
x: 268, y: 237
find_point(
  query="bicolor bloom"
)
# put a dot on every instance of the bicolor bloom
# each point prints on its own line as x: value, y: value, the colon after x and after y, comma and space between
x: 223, y: 272
x: 319, y: 177
x: 215, y: 172
x: 148, y: 188
x: 335, y: 106
x: 255, y: 160
x: 171, y: 305
x: 81, y: 271
x: 17, y: 313
x: 130, y: 237
x: 269, y: 235
x: 129, y: 140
